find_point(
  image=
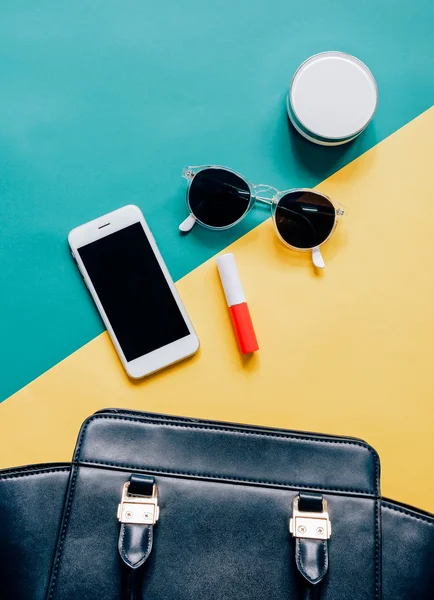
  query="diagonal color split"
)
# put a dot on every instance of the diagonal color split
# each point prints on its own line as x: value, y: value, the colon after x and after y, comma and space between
x: 346, y: 352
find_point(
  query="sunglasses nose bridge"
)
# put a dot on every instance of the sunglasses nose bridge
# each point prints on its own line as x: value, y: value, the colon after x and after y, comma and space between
x: 264, y: 193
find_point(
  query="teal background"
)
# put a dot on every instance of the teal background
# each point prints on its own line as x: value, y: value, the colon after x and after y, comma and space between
x: 103, y: 102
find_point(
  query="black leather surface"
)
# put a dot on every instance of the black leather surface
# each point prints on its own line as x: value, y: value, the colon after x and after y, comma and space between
x: 223, y: 451
x: 310, y: 502
x: 408, y: 553
x: 213, y: 540
x: 31, y: 505
x: 141, y: 485
x: 312, y: 559
x: 135, y: 544
x: 216, y: 539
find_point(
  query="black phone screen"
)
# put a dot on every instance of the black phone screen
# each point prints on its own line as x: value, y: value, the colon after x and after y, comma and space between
x: 133, y: 291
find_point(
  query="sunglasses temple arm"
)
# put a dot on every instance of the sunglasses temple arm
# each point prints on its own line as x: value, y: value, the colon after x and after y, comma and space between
x: 188, y: 223
x: 317, y: 258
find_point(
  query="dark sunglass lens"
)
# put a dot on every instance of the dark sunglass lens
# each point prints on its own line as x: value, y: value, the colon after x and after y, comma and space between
x: 218, y: 198
x: 304, y: 219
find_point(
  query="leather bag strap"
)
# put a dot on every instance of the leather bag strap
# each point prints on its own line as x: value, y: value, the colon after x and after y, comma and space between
x: 138, y: 512
x: 311, y: 593
x: 311, y: 528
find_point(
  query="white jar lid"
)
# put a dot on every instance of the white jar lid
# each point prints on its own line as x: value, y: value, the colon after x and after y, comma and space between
x: 333, y: 95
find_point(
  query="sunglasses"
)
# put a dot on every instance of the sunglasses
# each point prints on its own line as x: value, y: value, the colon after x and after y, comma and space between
x: 219, y: 198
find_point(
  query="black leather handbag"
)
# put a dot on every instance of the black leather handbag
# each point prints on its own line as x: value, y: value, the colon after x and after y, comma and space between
x: 154, y: 507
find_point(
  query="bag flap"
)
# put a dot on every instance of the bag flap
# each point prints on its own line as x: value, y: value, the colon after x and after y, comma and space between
x: 212, y: 450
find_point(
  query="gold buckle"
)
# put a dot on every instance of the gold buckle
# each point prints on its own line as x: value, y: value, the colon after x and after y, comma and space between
x: 310, y: 525
x: 139, y: 510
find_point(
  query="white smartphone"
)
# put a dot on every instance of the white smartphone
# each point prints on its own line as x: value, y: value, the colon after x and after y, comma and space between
x: 133, y: 291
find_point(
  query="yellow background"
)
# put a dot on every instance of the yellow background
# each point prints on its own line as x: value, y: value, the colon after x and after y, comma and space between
x: 347, y: 351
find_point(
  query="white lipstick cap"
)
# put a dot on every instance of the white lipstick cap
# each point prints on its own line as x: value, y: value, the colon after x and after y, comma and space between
x: 230, y: 279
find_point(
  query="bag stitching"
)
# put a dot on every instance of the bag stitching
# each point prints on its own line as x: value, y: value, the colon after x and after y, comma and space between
x: 62, y: 538
x: 150, y: 533
x: 377, y: 550
x: 286, y: 485
x: 326, y: 557
x: 229, y: 430
x: 35, y: 472
x: 237, y: 432
x: 313, y: 580
x: 408, y: 513
x: 122, y: 543
x: 145, y: 554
